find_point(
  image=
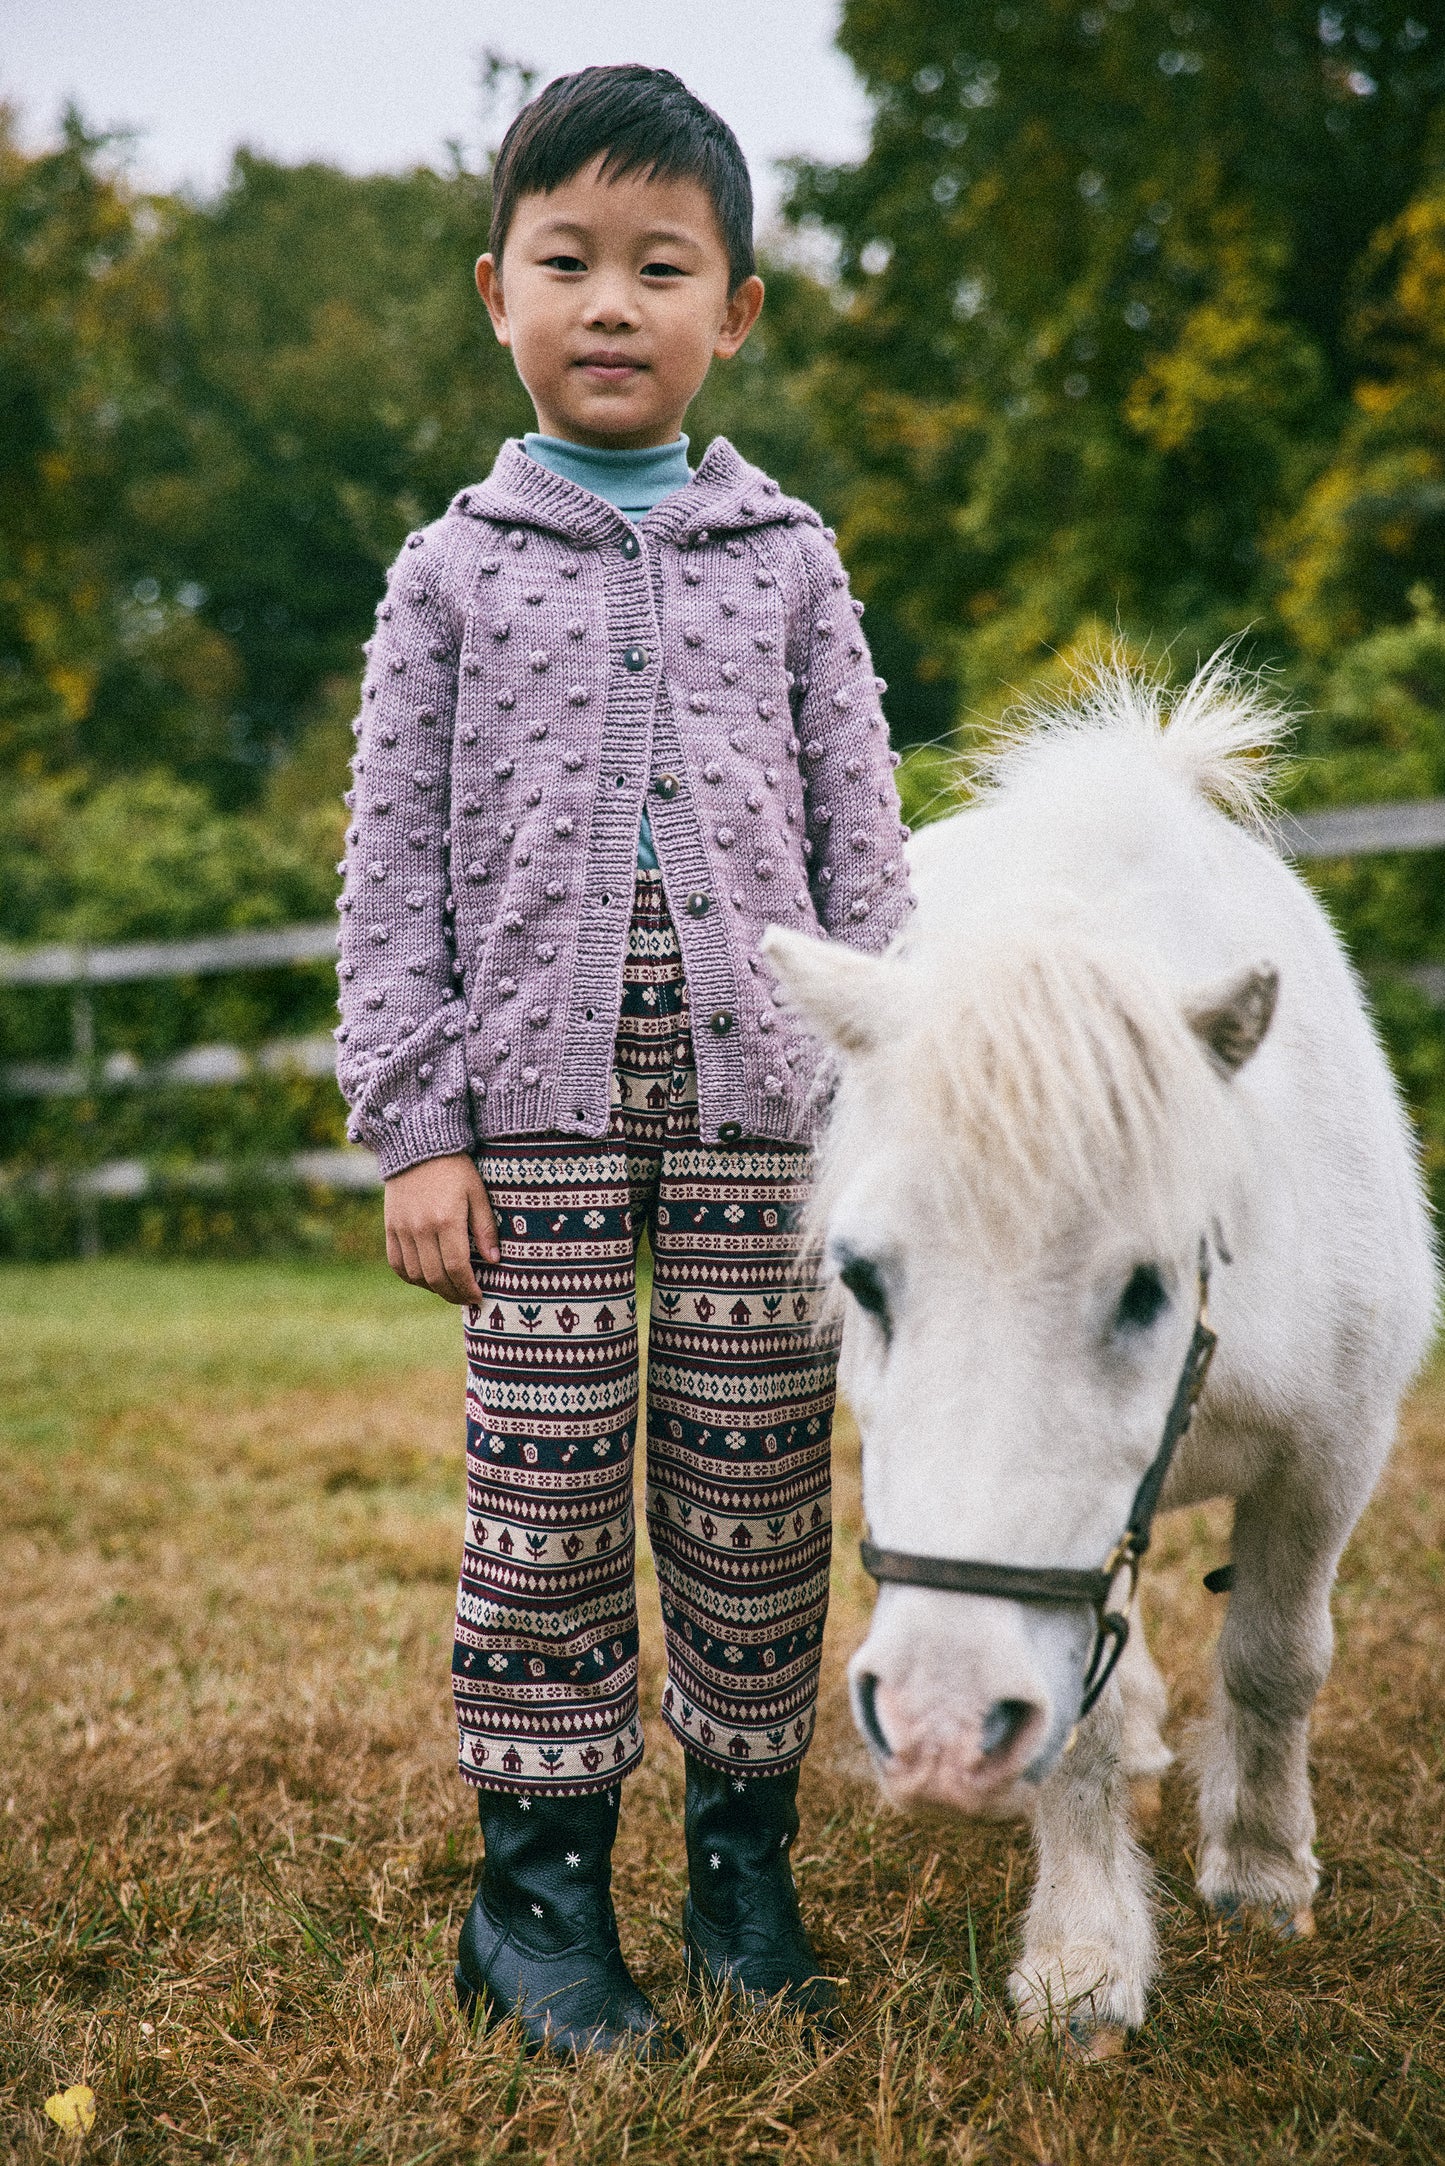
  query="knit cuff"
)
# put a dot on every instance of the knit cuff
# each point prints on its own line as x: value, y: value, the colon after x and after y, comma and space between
x: 422, y: 1132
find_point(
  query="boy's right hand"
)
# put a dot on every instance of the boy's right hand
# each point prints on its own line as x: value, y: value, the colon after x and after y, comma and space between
x: 435, y: 1213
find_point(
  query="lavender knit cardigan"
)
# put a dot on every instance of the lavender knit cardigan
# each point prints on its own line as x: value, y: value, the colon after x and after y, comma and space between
x: 539, y: 666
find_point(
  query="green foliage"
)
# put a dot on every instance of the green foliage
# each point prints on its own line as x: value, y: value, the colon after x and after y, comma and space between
x: 73, y: 277
x: 1372, y: 525
x: 1099, y: 263
x: 330, y: 380
x: 146, y: 855
x: 1378, y: 731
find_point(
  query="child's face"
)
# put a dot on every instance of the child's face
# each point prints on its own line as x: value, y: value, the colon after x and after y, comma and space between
x: 613, y: 296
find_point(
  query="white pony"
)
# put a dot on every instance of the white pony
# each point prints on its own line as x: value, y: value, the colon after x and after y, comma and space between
x: 1117, y: 1027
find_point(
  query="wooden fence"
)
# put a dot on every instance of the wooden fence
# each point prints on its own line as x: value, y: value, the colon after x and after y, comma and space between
x: 1356, y: 830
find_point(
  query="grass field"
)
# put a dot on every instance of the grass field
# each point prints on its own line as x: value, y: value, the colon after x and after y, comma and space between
x: 234, y: 1855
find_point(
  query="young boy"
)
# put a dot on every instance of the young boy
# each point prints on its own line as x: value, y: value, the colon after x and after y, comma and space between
x: 618, y: 718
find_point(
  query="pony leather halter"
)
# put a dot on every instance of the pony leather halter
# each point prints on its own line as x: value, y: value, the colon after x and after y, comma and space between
x: 1061, y: 1584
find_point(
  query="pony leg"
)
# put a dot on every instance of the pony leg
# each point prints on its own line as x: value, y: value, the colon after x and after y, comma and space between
x: 1256, y: 1816
x: 1145, y: 1705
x: 1088, y: 1956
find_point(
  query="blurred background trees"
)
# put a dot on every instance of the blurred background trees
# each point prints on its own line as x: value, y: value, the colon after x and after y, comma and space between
x: 1131, y: 321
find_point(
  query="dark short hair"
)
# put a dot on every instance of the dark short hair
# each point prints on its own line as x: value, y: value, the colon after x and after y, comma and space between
x: 641, y: 120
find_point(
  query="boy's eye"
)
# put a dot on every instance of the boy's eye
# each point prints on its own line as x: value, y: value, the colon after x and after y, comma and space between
x: 662, y: 270
x: 563, y: 263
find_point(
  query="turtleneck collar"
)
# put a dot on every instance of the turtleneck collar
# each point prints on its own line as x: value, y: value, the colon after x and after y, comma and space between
x: 631, y: 481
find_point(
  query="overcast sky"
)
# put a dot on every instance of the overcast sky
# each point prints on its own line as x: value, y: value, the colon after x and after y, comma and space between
x: 384, y: 83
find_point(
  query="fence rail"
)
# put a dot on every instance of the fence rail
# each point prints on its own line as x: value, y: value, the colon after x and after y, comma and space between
x: 1352, y: 830
x: 83, y: 968
x: 311, y: 1056
x: 1366, y: 830
x: 127, y: 1178
x: 258, y: 950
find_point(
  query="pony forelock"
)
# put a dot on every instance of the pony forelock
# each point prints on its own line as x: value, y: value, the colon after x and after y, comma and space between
x: 1046, y: 1082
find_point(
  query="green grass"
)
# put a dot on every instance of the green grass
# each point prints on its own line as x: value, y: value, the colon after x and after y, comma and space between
x: 82, y: 1343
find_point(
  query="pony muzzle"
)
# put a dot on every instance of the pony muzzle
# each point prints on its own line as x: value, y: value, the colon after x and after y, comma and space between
x: 944, y: 1739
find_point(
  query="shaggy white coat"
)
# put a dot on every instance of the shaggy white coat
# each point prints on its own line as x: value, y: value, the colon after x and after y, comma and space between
x: 1070, y: 1069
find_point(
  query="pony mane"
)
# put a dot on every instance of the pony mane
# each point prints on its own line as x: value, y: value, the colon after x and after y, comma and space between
x: 1221, y: 735
x: 1046, y: 1081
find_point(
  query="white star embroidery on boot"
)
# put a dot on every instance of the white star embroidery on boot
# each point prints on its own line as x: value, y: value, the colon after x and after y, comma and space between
x: 538, y: 1911
x: 715, y: 1862
x: 524, y: 1804
x: 739, y: 1784
x: 572, y: 1858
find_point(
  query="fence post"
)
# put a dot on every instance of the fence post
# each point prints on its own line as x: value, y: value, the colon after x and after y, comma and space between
x: 82, y: 1038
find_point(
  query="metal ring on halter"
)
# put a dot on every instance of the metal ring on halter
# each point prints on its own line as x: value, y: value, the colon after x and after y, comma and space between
x: 1111, y: 1626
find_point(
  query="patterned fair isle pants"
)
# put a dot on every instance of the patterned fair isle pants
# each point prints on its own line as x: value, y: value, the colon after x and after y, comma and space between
x: 739, y: 1422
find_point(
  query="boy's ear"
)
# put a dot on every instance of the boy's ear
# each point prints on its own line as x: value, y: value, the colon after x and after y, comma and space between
x: 489, y: 286
x: 743, y: 310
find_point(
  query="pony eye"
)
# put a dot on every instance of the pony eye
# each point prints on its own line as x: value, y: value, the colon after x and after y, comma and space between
x: 1141, y: 1301
x: 864, y: 1284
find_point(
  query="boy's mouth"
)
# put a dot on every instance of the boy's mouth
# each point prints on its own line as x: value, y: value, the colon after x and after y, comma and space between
x: 603, y: 367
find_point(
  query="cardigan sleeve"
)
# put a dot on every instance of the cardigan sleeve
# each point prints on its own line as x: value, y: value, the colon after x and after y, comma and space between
x: 856, y: 869
x: 400, y: 1048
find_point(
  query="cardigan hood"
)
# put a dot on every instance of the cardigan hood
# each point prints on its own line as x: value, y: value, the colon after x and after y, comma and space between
x: 725, y: 496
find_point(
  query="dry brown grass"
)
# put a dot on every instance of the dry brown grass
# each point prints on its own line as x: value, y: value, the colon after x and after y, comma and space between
x: 234, y: 1856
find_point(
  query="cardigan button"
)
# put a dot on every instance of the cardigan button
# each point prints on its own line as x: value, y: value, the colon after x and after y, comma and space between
x: 698, y: 905
x: 630, y: 546
x: 730, y: 1132
x: 634, y: 658
x: 666, y: 786
x: 721, y: 1023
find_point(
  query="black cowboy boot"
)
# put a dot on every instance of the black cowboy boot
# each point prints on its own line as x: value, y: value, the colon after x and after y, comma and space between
x: 540, y: 1940
x: 740, y: 1924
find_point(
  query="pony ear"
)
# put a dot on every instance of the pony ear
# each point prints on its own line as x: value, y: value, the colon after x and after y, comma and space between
x: 840, y: 993
x: 1230, y: 1020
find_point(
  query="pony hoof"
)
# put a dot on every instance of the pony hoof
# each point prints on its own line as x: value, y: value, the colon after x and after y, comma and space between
x: 1147, y: 1796
x: 1082, y: 2038
x: 1285, y: 1924
x: 1088, y: 2041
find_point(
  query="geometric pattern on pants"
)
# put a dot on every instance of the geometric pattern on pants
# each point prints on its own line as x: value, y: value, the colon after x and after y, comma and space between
x: 740, y: 1386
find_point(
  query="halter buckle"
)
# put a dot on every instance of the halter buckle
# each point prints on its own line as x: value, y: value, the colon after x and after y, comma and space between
x: 1111, y: 1626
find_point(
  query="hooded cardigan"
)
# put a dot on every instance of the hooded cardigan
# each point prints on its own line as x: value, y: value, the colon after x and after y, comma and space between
x: 541, y: 668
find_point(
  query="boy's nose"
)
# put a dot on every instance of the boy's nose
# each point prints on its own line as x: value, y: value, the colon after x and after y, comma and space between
x: 611, y: 308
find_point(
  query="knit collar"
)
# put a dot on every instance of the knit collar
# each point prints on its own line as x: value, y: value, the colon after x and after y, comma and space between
x: 726, y: 495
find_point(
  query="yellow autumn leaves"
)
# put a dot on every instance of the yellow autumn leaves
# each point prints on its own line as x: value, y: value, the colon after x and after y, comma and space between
x: 73, y: 2110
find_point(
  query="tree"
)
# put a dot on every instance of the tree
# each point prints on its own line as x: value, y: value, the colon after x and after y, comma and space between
x: 1100, y: 262
x: 1370, y: 531
x: 74, y: 283
x: 326, y: 380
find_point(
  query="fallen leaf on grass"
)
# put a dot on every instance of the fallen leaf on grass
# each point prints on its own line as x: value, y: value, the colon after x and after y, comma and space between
x: 73, y: 2110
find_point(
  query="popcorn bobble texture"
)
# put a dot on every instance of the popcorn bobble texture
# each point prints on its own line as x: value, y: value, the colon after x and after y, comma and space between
x: 402, y: 1012
x: 540, y: 672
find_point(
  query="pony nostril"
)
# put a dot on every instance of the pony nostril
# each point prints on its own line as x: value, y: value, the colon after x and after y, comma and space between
x: 868, y: 1709
x: 1003, y: 1724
